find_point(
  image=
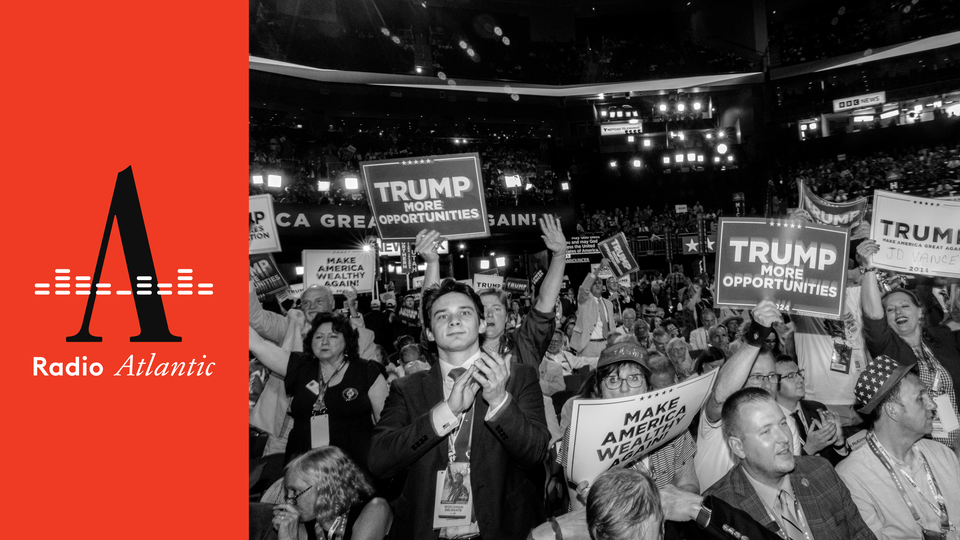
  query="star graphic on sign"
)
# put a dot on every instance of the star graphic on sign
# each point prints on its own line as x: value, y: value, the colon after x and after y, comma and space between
x: 692, y: 246
x: 710, y: 244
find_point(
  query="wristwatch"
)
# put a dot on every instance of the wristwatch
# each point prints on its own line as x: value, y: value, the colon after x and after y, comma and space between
x: 703, y: 517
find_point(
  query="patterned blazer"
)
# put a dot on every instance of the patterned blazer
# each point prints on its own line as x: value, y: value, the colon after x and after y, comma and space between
x: 826, y: 502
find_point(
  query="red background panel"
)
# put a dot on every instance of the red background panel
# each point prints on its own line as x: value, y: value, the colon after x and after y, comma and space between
x: 90, y: 89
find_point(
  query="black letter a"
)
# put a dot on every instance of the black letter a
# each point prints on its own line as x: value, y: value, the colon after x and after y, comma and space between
x: 125, y: 206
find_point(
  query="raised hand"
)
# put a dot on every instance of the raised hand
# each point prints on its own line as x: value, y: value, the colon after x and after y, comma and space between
x: 866, y: 250
x: 766, y: 313
x: 464, y: 391
x: 553, y: 235
x: 428, y: 242
x: 493, y: 372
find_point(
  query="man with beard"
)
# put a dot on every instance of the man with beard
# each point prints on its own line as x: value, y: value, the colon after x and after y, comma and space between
x: 802, y: 497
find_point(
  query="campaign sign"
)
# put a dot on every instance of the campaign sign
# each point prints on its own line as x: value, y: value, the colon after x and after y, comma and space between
x: 263, y: 225
x: 916, y: 235
x: 845, y: 214
x: 483, y: 281
x: 617, y: 251
x: 339, y: 269
x: 443, y: 193
x: 799, y: 266
x: 516, y: 285
x: 266, y: 276
x: 608, y: 432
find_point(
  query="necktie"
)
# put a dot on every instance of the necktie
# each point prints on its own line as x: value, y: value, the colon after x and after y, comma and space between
x: 801, y: 429
x: 455, y: 373
x: 462, y: 441
x: 791, y: 521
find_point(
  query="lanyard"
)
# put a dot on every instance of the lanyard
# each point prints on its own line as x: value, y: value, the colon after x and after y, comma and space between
x: 886, y: 459
x: 319, y: 406
x: 454, y: 435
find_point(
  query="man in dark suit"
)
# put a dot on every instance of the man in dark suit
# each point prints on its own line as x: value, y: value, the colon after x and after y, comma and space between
x: 434, y: 423
x: 800, y: 496
x: 816, y: 430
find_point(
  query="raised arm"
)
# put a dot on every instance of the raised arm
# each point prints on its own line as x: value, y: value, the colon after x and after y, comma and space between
x: 268, y: 324
x: 869, y: 288
x: 427, y: 244
x: 557, y: 244
x: 734, y: 372
x: 275, y: 358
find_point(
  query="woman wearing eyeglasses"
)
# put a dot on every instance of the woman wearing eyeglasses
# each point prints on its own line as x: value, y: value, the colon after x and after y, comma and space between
x: 623, y: 371
x: 326, y: 497
x: 336, y: 396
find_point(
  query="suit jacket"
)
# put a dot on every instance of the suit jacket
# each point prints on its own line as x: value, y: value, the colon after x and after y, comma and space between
x: 507, y: 452
x: 826, y: 502
x: 810, y: 408
x: 587, y: 314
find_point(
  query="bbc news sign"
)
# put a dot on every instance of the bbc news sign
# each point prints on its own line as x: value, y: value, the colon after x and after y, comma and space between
x: 866, y: 100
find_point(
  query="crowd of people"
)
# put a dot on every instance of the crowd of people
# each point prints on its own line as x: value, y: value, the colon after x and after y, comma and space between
x: 926, y: 172
x: 644, y: 222
x: 443, y: 412
x: 341, y: 155
x: 827, y: 29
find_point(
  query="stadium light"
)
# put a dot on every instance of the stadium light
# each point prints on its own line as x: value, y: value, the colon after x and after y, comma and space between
x: 803, y: 127
x: 501, y: 261
x: 716, y: 159
x: 484, y: 264
x: 299, y: 270
x: 691, y: 157
x: 351, y: 182
x: 273, y: 180
x: 390, y: 268
x: 889, y: 114
x: 696, y: 105
x: 603, y: 112
x: 663, y: 107
x: 708, y: 136
x: 613, y: 164
x: 812, y: 126
x: 258, y: 179
x: 666, y: 160
x: 647, y: 143
x: 681, y: 107
x: 678, y: 158
x: 722, y: 148
x: 699, y: 158
x: 366, y: 247
x: 323, y: 185
x: 564, y: 186
x: 630, y: 138
x: 730, y: 157
x: 637, y: 163
x: 419, y: 69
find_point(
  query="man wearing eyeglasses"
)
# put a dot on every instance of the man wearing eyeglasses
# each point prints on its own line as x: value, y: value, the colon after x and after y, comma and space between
x: 816, y: 430
x: 749, y: 367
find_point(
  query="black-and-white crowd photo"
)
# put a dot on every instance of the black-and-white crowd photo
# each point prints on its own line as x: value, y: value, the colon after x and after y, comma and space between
x: 600, y: 270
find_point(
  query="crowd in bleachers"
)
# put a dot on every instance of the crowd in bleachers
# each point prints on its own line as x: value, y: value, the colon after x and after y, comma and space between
x: 926, y: 172
x: 644, y: 222
x: 340, y: 156
x: 813, y: 31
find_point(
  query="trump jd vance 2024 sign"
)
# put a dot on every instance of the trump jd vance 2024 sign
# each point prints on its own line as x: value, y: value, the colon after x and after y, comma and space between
x: 443, y: 193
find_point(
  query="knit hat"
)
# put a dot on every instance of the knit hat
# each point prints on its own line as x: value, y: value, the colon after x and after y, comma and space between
x: 878, y: 380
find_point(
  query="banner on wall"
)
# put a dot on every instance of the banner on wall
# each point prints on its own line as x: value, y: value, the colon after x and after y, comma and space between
x: 443, y: 193
x: 483, y: 281
x: 916, y: 235
x: 844, y: 214
x: 799, y: 266
x: 617, y: 252
x: 267, y: 278
x: 608, y: 432
x: 355, y: 222
x: 339, y: 269
x: 264, y: 237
